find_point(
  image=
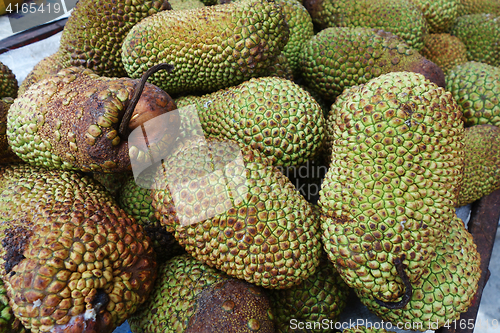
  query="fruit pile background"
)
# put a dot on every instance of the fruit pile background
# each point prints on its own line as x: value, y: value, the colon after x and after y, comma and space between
x: 22, y: 61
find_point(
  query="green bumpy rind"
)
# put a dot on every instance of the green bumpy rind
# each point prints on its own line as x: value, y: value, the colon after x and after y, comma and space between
x: 397, y: 163
x: 481, y: 35
x: 444, y: 50
x: 439, y: 14
x: 8, y: 82
x: 230, y: 208
x: 273, y: 115
x: 482, y: 163
x: 211, y: 47
x: 476, y: 88
x: 445, y: 290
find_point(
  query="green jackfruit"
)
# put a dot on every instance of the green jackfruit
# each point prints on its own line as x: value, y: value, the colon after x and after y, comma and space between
x: 231, y: 209
x: 396, y: 166
x: 6, y: 153
x: 400, y: 17
x: 8, y: 82
x: 482, y: 163
x: 445, y: 290
x: 71, y: 121
x: 476, y: 88
x: 94, y: 33
x: 47, y: 66
x: 186, y: 4
x: 439, y: 14
x: 211, y: 47
x: 8, y: 323
x: 467, y: 7
x: 272, y: 115
x: 69, y: 257
x: 444, y: 50
x: 320, y: 297
x: 192, y: 297
x: 481, y: 35
x: 337, y: 58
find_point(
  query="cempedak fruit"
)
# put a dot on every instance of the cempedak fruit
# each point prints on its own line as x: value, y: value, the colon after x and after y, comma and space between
x: 70, y: 259
x: 192, y: 297
x: 444, y: 50
x: 230, y: 208
x: 439, y: 14
x: 396, y: 167
x: 211, y: 47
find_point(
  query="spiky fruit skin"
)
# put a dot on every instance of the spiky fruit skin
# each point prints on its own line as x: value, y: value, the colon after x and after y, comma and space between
x: 301, y: 30
x: 189, y: 293
x: 482, y: 163
x: 439, y: 14
x: 70, y: 121
x: 339, y: 57
x: 467, y: 7
x: 444, y: 50
x: 8, y: 82
x: 248, y: 221
x: 6, y: 153
x: 47, y: 66
x: 400, y: 17
x: 273, y: 115
x: 364, y: 329
x: 68, y: 252
x: 447, y: 287
x: 137, y: 202
x: 481, y: 35
x: 211, y: 47
x: 397, y: 163
x: 320, y: 297
x: 476, y: 88
x: 87, y: 41
x: 186, y: 4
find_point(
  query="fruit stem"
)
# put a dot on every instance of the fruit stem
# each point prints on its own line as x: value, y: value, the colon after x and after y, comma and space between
x: 408, y: 289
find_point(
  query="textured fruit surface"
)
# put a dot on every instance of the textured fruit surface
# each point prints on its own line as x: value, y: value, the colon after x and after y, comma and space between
x: 95, y: 31
x: 211, y: 47
x: 273, y: 115
x: 339, y: 57
x: 397, y: 163
x: 70, y: 121
x: 8, y: 82
x: 230, y: 208
x: 185, y: 4
x: 482, y: 163
x: 481, y: 35
x: 320, y: 297
x: 301, y: 30
x: 47, y: 66
x: 467, y: 7
x: 447, y: 287
x: 6, y: 153
x: 192, y: 297
x: 476, y: 88
x: 364, y: 329
x: 400, y: 17
x: 444, y: 50
x: 439, y: 14
x: 69, y: 257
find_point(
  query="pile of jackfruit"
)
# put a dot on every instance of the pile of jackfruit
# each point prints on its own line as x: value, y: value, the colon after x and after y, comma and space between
x: 152, y: 168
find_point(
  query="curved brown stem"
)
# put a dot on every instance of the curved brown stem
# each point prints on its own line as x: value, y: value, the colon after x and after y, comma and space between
x: 123, y: 129
x: 408, y: 289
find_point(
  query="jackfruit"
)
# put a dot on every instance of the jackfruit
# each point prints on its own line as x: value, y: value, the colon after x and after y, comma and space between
x: 69, y: 257
x: 50, y: 65
x: 400, y: 17
x: 211, y: 48
x: 71, y: 121
x: 231, y: 209
x: 439, y: 14
x: 6, y: 153
x: 8, y: 323
x: 481, y: 35
x: 320, y: 297
x: 8, y: 82
x: 444, y: 50
x: 95, y: 31
x: 185, y: 4
x: 270, y: 114
x: 192, y: 297
x: 337, y: 58
x: 445, y: 290
x: 467, y: 7
x: 482, y: 163
x: 476, y: 88
x: 397, y: 163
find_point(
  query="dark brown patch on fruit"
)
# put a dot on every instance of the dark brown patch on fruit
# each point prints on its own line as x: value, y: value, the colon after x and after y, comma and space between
x: 14, y: 242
